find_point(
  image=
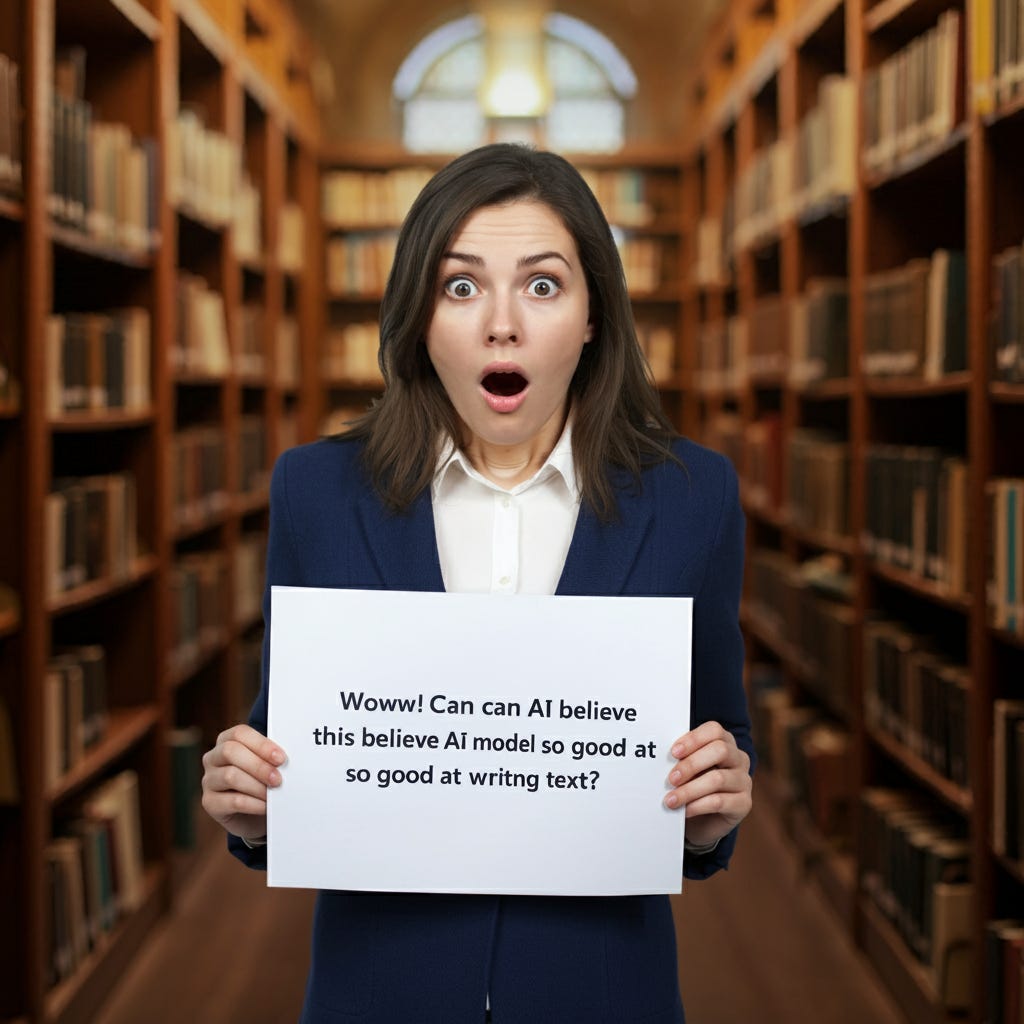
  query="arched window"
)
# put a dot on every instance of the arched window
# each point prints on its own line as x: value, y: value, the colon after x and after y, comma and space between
x: 588, y: 85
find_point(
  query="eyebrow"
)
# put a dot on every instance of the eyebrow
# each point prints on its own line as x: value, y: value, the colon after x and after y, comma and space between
x: 523, y: 261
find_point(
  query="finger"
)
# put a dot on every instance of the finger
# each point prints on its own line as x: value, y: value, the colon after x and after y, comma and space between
x: 719, y: 753
x: 716, y: 781
x: 235, y: 766
x: 693, y: 740
x: 733, y: 807
x: 259, y: 744
x: 223, y: 806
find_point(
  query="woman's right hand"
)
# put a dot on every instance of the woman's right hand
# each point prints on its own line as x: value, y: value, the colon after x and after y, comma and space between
x: 236, y: 774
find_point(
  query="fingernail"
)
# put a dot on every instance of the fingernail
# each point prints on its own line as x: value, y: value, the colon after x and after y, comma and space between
x: 671, y: 800
x: 277, y: 757
x: 275, y: 777
x: 677, y: 750
x: 675, y: 778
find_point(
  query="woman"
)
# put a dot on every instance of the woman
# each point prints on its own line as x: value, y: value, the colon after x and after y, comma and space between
x: 514, y: 387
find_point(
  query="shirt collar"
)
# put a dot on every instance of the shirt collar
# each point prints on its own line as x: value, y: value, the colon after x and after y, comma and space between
x: 560, y: 462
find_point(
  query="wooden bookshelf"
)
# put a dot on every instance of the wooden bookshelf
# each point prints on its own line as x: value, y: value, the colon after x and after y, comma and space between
x: 966, y: 165
x: 63, y: 253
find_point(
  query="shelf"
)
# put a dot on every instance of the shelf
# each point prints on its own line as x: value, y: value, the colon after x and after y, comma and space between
x: 348, y: 384
x: 246, y: 504
x: 1004, y: 635
x: 10, y: 622
x: 884, y: 13
x: 906, y: 978
x: 199, y: 22
x: 915, y: 387
x: 1008, y: 394
x: 111, y: 419
x: 811, y: 18
x: 834, y: 208
x: 11, y: 209
x: 209, y: 520
x: 187, y: 212
x: 80, y: 244
x: 824, y: 390
x: 959, y: 799
x: 1006, y: 111
x: 923, y: 587
x: 79, y: 997
x: 910, y: 163
x: 198, y: 379
x: 100, y: 22
x: 185, y: 662
x: 825, y: 541
x: 9, y: 410
x: 99, y: 590
x: 1014, y: 868
x: 125, y: 728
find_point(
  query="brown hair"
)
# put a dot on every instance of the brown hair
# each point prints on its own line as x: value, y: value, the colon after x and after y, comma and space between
x: 618, y: 423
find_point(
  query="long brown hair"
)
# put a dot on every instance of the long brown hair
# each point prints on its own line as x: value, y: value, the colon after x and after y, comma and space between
x: 617, y: 424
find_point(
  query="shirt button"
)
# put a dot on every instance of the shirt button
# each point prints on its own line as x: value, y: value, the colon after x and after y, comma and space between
x: 506, y: 502
x: 503, y: 581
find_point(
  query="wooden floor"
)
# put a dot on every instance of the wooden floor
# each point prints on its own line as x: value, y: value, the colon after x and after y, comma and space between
x: 757, y: 945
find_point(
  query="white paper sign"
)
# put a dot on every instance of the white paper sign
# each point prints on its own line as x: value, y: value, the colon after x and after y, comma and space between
x: 476, y: 743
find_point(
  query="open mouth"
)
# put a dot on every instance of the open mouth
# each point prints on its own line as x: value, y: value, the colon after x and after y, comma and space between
x: 504, y: 384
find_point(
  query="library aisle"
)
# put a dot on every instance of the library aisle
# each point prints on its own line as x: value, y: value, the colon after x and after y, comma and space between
x: 232, y: 950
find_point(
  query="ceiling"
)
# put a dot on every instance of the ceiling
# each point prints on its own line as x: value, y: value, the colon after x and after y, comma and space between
x: 365, y: 41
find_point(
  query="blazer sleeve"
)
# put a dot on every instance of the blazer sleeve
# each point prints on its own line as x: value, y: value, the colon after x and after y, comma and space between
x: 717, y: 692
x: 282, y: 569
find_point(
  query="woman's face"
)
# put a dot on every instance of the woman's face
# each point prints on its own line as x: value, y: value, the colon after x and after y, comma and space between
x: 509, y: 324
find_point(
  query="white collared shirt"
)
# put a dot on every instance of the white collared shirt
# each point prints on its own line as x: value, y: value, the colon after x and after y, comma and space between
x: 496, y: 540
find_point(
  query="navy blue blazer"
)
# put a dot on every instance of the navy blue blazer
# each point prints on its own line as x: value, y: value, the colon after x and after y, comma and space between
x: 393, y: 958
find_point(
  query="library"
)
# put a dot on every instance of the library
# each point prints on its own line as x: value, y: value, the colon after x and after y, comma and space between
x: 819, y: 211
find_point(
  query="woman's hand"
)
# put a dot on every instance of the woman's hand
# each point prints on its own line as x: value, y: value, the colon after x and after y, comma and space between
x: 712, y: 780
x: 237, y: 772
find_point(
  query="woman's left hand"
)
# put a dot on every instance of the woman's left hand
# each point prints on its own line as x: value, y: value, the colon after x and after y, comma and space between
x: 712, y: 780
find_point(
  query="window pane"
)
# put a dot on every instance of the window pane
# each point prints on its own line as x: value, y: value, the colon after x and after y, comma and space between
x: 448, y: 125
x: 573, y: 72
x: 458, y: 71
x: 581, y: 125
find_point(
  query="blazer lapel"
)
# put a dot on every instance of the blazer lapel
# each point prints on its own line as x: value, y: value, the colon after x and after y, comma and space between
x: 601, y: 555
x: 403, y: 547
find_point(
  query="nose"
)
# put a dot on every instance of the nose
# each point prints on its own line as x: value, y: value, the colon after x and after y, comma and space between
x: 502, y: 326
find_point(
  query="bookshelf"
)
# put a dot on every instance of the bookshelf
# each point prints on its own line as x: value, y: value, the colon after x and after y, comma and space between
x: 365, y: 195
x: 137, y: 453
x: 857, y: 169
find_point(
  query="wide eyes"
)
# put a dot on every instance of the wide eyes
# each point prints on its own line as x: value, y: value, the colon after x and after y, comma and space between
x: 543, y: 286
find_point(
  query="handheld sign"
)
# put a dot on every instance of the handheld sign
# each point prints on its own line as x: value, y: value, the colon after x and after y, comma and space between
x: 476, y: 743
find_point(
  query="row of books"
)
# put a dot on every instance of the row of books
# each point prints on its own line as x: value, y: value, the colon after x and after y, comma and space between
x: 916, y: 517
x: 253, y: 474
x: 809, y: 756
x: 918, y: 696
x: 74, y: 708
x: 658, y: 343
x: 803, y: 342
x: 247, y: 232
x: 204, y: 169
x: 98, y: 361
x: 1008, y: 769
x: 10, y: 127
x: 291, y: 239
x: 998, y: 53
x: 787, y: 180
x: 201, y: 345
x: 916, y: 318
x: 1004, y: 497
x: 713, y: 262
x: 250, y: 357
x: 94, y: 873
x: 795, y: 603
x: 350, y: 353
x: 360, y: 199
x: 200, y: 605
x: 762, y: 462
x: 198, y: 468
x: 1006, y: 326
x: 359, y: 264
x: 631, y: 197
x: 915, y: 97
x: 1004, y: 971
x: 915, y: 865
x: 250, y: 560
x: 89, y: 530
x: 818, y: 482
x: 645, y: 263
